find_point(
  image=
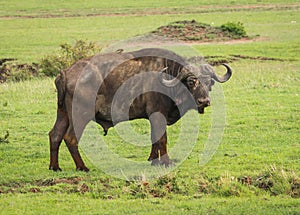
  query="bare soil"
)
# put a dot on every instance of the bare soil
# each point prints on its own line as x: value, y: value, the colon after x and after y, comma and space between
x: 8, y: 68
x: 193, y: 31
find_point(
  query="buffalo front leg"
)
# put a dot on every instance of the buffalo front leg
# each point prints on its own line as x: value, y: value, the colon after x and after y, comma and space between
x: 56, y: 136
x: 164, y: 157
x: 154, y: 155
x: 159, y: 154
x: 159, y: 140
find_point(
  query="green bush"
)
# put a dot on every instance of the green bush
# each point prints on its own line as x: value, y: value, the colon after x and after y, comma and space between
x: 50, y: 65
x: 235, y: 30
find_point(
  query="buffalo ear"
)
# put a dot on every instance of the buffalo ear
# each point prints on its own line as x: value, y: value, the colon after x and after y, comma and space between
x: 205, y: 80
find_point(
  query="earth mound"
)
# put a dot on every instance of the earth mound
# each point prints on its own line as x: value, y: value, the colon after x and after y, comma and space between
x: 11, y: 70
x: 193, y: 31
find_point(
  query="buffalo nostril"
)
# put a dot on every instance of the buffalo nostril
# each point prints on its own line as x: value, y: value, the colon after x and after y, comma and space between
x: 205, y: 102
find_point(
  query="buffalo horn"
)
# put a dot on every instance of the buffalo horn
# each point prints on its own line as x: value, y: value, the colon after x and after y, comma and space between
x: 225, y: 77
x: 169, y: 83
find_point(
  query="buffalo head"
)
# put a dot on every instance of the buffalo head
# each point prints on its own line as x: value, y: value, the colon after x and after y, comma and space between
x: 198, y: 81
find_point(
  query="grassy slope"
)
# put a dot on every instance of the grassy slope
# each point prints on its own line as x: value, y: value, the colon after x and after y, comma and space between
x: 262, y: 121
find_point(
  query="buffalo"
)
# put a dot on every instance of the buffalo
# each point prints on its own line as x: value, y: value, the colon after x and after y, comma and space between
x: 154, y: 84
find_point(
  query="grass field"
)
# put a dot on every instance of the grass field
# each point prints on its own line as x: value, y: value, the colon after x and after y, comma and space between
x: 255, y: 170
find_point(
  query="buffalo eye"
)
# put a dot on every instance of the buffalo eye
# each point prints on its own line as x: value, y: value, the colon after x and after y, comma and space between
x: 191, y: 82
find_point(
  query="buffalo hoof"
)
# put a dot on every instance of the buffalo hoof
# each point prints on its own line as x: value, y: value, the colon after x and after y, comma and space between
x: 55, y: 168
x: 166, y: 164
x: 165, y: 161
x: 84, y: 169
x: 155, y: 162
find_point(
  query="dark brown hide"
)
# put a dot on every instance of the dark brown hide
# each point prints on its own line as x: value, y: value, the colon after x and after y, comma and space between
x: 90, y: 90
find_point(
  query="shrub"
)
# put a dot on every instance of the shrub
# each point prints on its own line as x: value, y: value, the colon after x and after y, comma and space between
x: 50, y: 65
x: 235, y: 30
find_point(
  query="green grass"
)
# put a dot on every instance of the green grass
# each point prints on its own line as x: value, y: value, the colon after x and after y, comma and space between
x: 79, y: 204
x: 261, y: 138
x: 30, y: 39
x: 56, y: 7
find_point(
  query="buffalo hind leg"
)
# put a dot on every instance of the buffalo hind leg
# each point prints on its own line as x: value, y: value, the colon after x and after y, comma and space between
x: 55, y: 136
x: 71, y: 139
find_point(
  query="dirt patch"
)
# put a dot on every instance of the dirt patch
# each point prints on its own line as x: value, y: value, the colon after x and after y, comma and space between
x: 11, y: 70
x: 212, y: 60
x: 216, y: 60
x: 193, y: 31
x: 151, y: 11
x: 257, y: 58
x: 52, y: 181
x: 72, y: 184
